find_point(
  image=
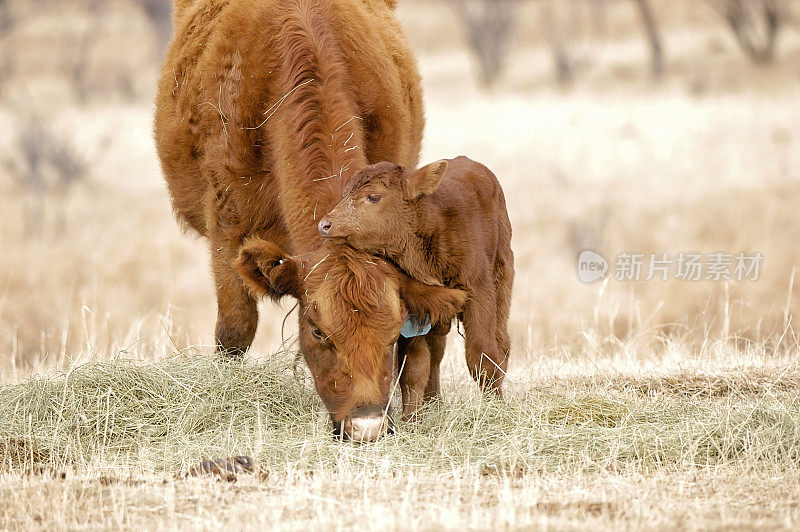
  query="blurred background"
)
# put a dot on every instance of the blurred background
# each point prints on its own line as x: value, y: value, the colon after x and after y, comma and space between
x: 637, y: 126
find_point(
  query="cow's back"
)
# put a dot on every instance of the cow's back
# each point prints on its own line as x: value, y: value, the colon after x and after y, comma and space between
x: 220, y: 101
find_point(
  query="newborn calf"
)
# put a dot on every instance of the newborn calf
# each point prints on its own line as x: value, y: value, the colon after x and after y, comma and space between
x: 445, y: 223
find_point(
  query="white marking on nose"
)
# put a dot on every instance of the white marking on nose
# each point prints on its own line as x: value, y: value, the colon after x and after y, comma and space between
x: 367, y: 428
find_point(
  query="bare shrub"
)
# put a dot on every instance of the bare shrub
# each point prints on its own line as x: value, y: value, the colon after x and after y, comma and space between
x: 83, y: 63
x: 557, y: 37
x: 159, y: 15
x: 650, y: 25
x: 77, y: 69
x: 7, y: 63
x: 48, y: 165
x: 755, y: 24
x: 6, y: 18
x: 489, y: 27
x: 562, y: 21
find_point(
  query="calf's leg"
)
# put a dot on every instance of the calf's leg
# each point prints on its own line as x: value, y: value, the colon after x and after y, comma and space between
x: 504, y: 280
x: 436, y: 346
x: 486, y: 360
x: 415, y: 361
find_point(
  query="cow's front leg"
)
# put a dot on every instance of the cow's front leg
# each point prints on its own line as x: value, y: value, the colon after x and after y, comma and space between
x: 237, y: 310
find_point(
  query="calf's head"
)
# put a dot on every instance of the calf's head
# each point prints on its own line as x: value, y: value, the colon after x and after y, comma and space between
x: 377, y: 208
x: 352, y: 306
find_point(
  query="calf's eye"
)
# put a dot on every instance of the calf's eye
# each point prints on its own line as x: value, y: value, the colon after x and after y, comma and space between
x: 374, y: 198
x: 318, y: 335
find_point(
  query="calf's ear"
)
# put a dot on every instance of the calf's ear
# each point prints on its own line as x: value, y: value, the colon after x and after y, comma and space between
x: 268, y: 271
x: 438, y: 302
x: 424, y: 181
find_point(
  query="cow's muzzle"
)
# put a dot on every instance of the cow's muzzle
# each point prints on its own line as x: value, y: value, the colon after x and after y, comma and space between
x: 365, y: 424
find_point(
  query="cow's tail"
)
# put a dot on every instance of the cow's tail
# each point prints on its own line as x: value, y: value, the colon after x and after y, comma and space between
x: 319, y: 133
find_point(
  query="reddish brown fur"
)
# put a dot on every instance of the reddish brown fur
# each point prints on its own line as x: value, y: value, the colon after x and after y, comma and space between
x: 264, y: 110
x: 445, y: 223
x: 355, y: 305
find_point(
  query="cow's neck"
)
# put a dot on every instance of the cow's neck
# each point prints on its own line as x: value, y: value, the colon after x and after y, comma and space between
x: 418, y: 251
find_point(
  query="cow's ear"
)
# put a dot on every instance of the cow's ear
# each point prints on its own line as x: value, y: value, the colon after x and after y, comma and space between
x: 424, y: 181
x: 438, y: 302
x: 268, y: 271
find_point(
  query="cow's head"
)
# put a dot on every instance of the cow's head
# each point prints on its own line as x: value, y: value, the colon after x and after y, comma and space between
x: 352, y: 307
x: 377, y: 210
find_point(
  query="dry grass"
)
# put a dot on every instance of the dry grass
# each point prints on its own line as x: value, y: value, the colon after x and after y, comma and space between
x: 717, y: 499
x: 630, y: 405
x: 112, y: 441
x: 161, y: 416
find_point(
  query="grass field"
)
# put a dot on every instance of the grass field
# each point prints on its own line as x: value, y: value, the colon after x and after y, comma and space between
x: 109, y: 444
x: 634, y: 405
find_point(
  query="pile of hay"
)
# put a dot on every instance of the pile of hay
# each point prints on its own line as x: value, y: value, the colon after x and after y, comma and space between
x: 156, y: 414
x: 167, y: 415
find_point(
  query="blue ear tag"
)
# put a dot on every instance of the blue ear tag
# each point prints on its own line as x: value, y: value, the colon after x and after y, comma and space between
x: 415, y: 327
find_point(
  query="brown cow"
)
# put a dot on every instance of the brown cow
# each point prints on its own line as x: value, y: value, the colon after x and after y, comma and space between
x: 444, y: 223
x: 264, y: 110
x: 355, y: 305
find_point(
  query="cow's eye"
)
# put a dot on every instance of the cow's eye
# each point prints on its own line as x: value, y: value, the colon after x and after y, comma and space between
x: 374, y: 198
x: 319, y: 335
